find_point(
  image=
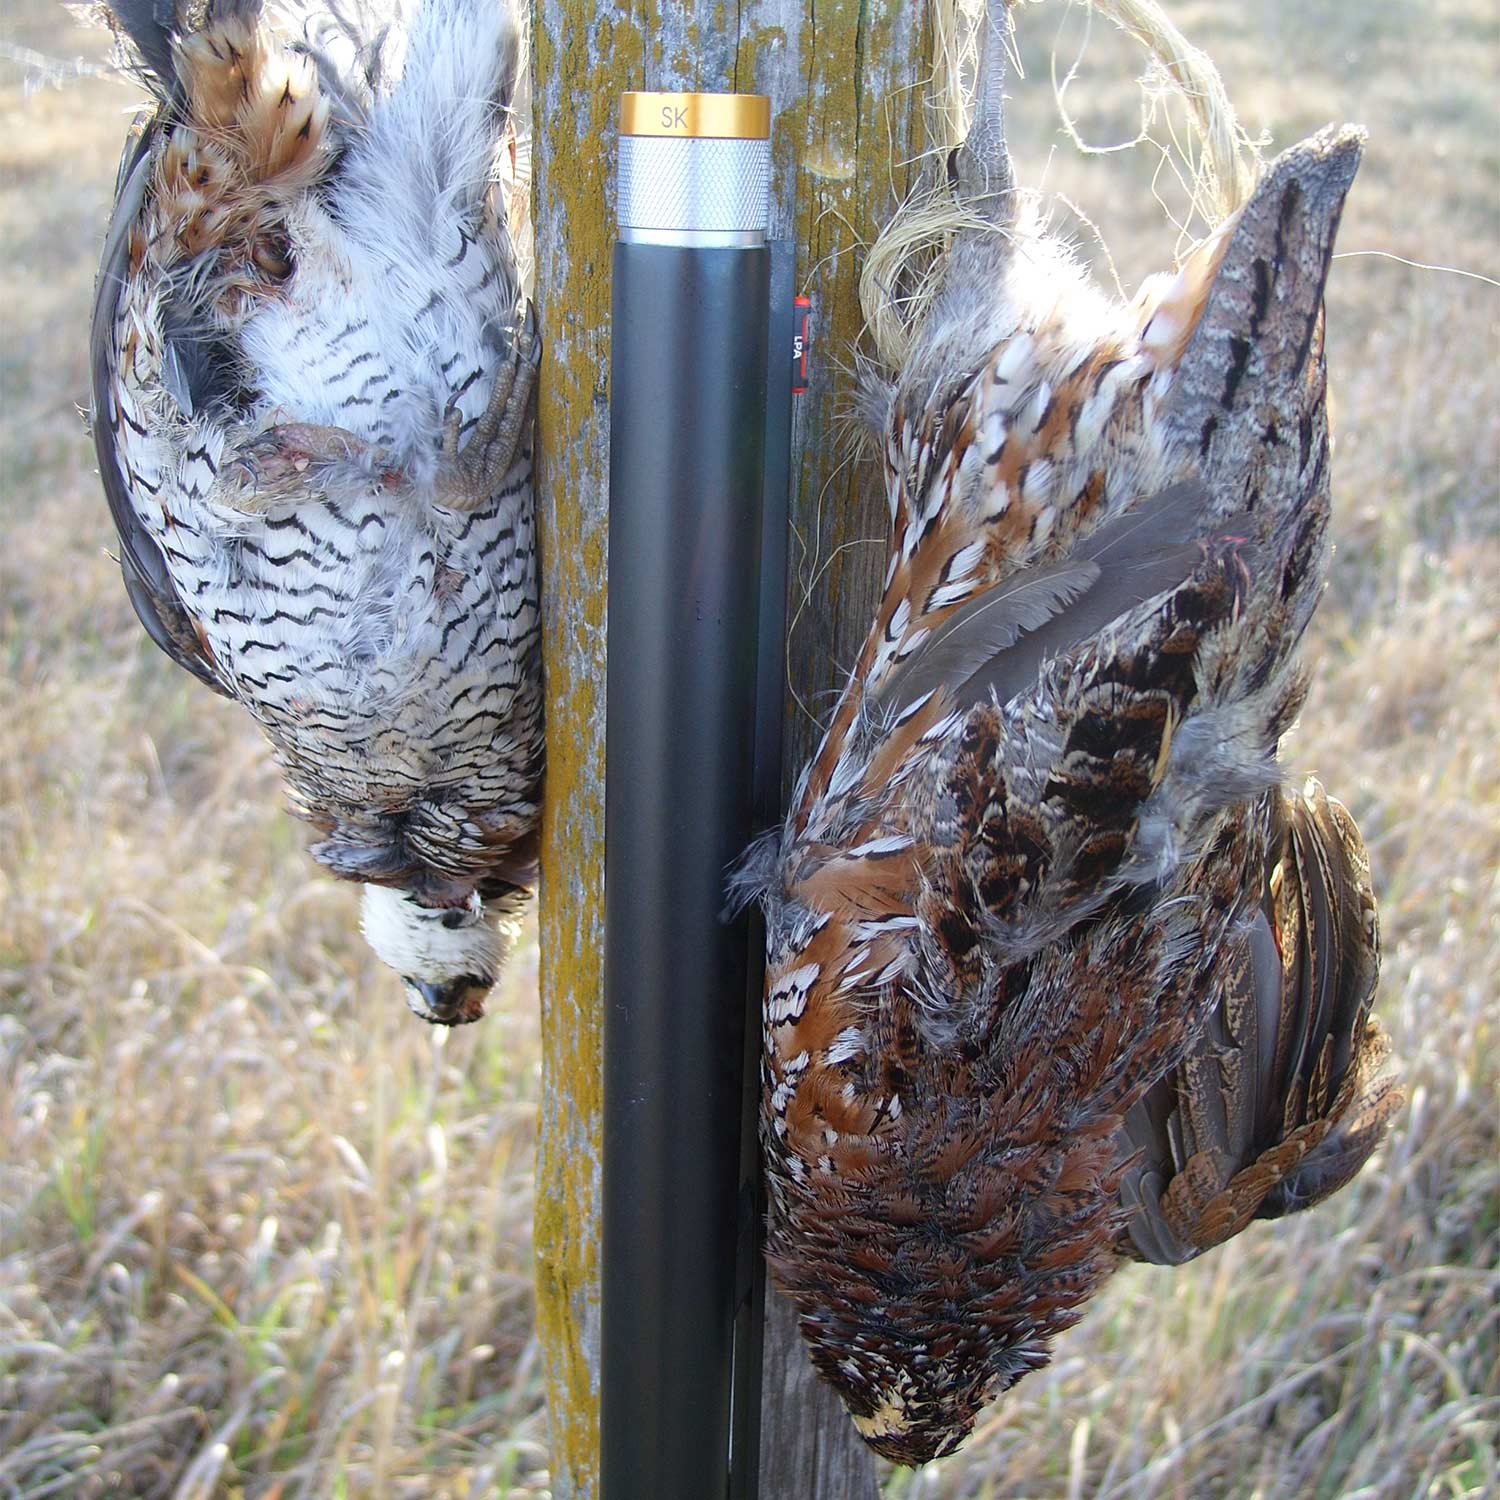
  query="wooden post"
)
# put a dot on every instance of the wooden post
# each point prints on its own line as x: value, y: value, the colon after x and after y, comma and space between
x: 576, y: 77
x: 846, y: 92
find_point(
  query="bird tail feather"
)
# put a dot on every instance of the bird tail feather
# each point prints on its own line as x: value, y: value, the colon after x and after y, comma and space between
x: 1282, y: 1098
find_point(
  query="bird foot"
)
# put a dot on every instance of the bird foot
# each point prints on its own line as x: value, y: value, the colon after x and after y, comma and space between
x: 293, y: 463
x: 469, y: 473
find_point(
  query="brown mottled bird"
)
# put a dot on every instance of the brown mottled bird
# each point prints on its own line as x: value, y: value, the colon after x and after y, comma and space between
x: 1058, y: 970
x: 312, y: 369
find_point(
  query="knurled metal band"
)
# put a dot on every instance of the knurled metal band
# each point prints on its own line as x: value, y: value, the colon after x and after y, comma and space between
x: 695, y: 185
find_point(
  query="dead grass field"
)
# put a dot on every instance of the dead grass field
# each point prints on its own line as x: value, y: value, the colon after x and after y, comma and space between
x: 262, y: 1235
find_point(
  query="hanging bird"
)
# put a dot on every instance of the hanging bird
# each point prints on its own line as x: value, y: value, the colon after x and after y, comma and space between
x: 312, y: 378
x: 1058, y: 971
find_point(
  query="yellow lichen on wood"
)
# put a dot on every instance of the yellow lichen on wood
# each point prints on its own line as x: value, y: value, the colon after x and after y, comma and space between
x: 584, y: 59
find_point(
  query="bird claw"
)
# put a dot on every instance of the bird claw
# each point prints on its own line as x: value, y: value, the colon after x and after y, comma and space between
x: 291, y: 463
x: 469, y: 472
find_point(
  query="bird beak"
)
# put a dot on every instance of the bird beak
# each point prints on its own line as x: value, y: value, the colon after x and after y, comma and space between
x: 456, y: 1003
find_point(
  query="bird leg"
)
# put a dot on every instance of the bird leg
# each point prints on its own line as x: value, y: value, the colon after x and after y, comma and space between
x: 294, y: 463
x: 469, y: 474
x: 983, y: 184
x: 299, y: 463
x: 980, y: 168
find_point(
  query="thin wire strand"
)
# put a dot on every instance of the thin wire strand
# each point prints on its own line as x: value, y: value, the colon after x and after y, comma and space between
x: 1418, y: 265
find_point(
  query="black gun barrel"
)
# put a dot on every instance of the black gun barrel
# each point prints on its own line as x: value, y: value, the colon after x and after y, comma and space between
x: 688, y: 390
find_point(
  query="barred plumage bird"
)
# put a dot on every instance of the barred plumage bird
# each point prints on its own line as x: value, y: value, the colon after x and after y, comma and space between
x: 312, y: 378
x: 1058, y: 972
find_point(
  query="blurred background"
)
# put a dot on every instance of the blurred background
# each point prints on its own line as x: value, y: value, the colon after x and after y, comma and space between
x: 264, y: 1235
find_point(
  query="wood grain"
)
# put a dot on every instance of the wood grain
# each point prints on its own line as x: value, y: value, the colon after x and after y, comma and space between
x: 578, y: 73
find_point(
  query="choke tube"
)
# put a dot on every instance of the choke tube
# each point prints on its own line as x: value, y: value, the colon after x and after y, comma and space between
x: 688, y: 386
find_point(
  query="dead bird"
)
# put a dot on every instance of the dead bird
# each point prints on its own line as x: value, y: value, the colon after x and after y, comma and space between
x: 312, y: 394
x: 1058, y: 971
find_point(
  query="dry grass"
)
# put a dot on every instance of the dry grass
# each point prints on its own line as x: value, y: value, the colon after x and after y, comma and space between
x: 261, y: 1235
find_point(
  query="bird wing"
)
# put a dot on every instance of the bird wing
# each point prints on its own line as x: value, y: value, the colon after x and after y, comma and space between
x: 1280, y: 1101
x: 1036, y: 812
x: 995, y: 644
x: 147, y: 581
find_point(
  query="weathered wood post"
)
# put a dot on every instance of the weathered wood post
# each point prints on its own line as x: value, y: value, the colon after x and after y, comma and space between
x: 846, y: 93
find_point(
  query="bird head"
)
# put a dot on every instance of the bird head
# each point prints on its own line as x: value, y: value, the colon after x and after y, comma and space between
x: 922, y: 1405
x: 448, y: 957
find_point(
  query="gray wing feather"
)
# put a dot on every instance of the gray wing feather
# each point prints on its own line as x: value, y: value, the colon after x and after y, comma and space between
x: 150, y: 26
x: 997, y: 643
x: 972, y: 636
